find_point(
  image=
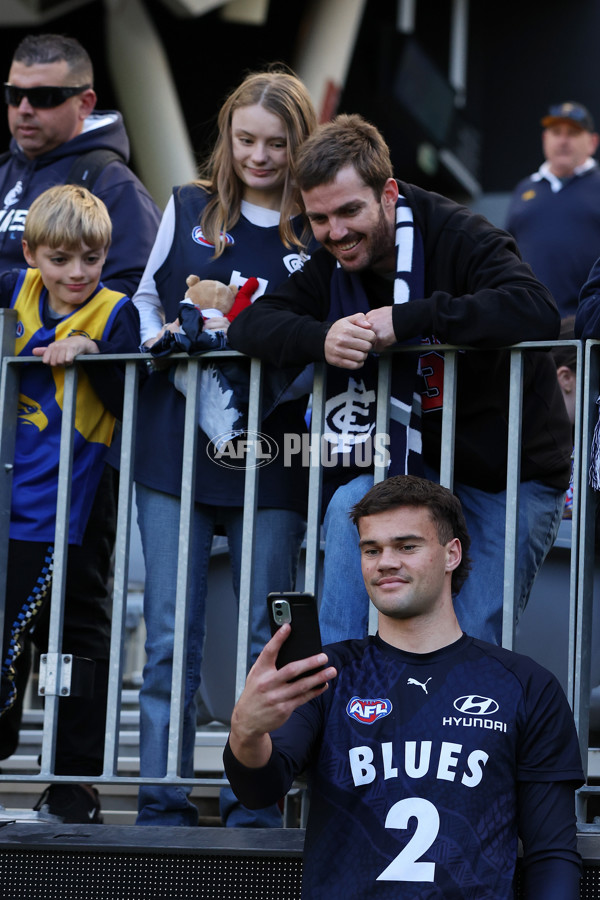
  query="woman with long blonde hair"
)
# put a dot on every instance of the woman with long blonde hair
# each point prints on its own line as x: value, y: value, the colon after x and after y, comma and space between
x: 239, y: 220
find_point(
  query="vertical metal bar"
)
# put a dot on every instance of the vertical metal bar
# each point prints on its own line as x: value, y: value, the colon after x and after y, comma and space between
x: 188, y: 484
x: 382, y: 415
x: 459, y: 38
x: 406, y: 16
x: 585, y: 584
x: 579, y: 483
x: 248, y: 524
x: 9, y: 392
x: 448, y: 420
x: 315, y: 481
x: 382, y: 424
x: 61, y: 547
x: 119, y: 607
x: 513, y: 479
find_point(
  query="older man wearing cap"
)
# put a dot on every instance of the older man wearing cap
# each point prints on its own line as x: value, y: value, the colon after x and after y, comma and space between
x: 554, y: 214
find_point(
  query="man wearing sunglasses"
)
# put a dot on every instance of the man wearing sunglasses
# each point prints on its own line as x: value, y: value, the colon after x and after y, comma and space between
x: 555, y: 213
x: 50, y: 102
x: 51, y: 115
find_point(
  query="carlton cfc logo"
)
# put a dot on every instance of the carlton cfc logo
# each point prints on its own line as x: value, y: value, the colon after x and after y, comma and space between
x: 198, y: 236
x: 368, y: 711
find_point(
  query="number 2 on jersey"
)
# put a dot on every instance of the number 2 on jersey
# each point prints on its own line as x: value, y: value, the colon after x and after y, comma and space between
x: 406, y: 866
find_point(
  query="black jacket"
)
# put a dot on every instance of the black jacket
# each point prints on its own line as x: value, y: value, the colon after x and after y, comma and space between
x: 478, y: 292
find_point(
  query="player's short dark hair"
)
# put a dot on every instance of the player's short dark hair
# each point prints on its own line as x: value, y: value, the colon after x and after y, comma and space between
x: 444, y: 507
x: 348, y: 140
x: 36, y: 49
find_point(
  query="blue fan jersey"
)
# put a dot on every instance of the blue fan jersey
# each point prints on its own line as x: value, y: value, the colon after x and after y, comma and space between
x: 39, y: 416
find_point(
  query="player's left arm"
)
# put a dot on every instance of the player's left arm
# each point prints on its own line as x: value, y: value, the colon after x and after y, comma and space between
x: 547, y: 828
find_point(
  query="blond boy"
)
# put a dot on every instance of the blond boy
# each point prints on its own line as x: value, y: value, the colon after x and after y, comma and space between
x: 63, y: 312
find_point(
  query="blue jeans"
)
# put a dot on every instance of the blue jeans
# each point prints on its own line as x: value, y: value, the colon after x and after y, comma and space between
x: 344, y: 610
x: 279, y: 536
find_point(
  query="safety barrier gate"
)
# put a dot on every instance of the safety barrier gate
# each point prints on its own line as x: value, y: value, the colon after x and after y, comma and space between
x: 578, y: 637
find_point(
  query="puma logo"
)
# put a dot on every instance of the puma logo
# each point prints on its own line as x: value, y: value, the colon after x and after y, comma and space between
x: 424, y: 685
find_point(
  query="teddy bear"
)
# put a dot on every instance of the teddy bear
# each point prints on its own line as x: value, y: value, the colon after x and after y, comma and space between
x: 213, y: 298
x: 204, y: 299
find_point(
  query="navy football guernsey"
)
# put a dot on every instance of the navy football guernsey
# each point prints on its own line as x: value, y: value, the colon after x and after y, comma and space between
x: 251, y: 251
x: 413, y: 761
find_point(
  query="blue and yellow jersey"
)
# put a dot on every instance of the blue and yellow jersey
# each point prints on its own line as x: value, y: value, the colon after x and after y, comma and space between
x: 37, y: 451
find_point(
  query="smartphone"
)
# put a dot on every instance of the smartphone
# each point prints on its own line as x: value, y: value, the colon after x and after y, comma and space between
x: 300, y: 610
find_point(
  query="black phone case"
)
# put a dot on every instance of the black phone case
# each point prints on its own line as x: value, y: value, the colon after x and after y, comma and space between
x: 305, y: 637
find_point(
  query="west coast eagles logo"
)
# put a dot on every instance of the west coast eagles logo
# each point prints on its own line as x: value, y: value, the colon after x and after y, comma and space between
x: 30, y: 412
x: 198, y: 237
x: 368, y: 711
x: 77, y: 332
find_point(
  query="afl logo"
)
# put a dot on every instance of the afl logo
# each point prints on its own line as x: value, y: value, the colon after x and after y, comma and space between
x: 20, y: 329
x: 198, y: 237
x: 368, y: 711
x: 232, y: 450
x: 475, y: 705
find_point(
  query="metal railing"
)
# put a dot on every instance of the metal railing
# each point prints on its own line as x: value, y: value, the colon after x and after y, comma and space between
x: 581, y: 564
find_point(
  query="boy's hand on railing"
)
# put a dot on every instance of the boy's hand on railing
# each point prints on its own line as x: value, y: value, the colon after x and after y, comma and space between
x: 63, y: 352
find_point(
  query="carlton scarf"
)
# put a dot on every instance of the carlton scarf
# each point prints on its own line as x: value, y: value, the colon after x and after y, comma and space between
x: 351, y: 399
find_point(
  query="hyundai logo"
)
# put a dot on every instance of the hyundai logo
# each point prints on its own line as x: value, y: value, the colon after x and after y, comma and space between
x: 476, y: 705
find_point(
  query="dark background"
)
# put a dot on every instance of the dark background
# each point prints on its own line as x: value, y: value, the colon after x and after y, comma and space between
x: 522, y: 57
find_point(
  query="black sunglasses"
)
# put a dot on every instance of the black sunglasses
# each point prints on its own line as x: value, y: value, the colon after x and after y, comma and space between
x: 45, y: 97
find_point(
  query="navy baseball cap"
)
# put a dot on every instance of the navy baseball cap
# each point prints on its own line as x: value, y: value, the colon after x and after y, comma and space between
x: 574, y: 113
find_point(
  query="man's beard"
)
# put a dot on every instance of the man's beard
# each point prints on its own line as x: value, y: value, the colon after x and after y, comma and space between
x: 380, y: 246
